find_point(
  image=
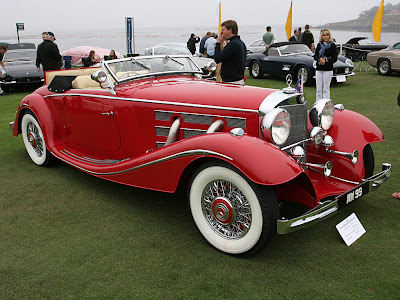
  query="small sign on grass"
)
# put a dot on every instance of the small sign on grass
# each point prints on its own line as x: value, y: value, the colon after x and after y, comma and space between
x: 350, y: 229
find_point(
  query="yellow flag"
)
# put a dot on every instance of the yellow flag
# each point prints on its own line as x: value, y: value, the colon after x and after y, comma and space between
x: 289, y: 22
x: 219, y: 18
x: 377, y: 25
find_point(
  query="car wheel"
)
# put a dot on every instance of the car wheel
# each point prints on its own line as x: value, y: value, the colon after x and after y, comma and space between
x: 384, y: 67
x: 234, y: 214
x: 306, y: 74
x: 256, y: 70
x: 5, y: 88
x: 369, y: 161
x: 34, y: 141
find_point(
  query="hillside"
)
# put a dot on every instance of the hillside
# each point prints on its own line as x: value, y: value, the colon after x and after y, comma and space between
x: 390, y: 21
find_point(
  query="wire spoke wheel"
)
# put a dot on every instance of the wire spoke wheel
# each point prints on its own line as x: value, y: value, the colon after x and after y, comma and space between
x: 34, y: 141
x: 226, y: 209
x: 234, y: 214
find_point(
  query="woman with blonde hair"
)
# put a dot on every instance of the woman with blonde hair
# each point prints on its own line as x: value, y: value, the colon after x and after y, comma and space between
x: 325, y: 55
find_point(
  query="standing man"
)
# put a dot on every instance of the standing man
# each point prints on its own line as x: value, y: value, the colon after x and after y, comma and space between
x: 307, y: 38
x: 191, y: 43
x: 202, y: 44
x: 210, y: 45
x: 3, y: 49
x: 233, y: 56
x: 268, y: 37
x: 48, y: 54
x: 295, y: 36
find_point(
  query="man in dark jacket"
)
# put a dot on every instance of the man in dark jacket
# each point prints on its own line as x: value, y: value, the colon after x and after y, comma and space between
x: 233, y: 56
x: 295, y: 36
x: 48, y: 54
x: 191, y: 43
x: 307, y: 38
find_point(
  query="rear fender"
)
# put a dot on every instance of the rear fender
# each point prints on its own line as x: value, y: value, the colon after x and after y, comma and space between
x: 35, y: 103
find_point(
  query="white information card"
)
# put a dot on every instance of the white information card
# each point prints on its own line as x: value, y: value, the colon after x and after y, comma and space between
x: 350, y: 229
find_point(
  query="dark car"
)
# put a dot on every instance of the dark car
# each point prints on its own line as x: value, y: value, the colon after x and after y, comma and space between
x: 293, y: 58
x: 19, y: 61
x: 357, y: 48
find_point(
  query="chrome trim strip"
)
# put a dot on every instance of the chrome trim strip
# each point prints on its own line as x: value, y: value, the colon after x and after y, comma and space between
x: 91, y: 160
x: 155, y: 101
x: 170, y: 157
x: 272, y: 100
x: 329, y: 208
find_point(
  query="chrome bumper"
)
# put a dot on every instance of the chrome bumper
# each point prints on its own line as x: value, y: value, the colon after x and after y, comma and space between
x: 329, y: 208
x: 11, y: 124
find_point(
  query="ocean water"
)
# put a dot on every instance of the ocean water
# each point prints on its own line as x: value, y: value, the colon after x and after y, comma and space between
x: 148, y: 37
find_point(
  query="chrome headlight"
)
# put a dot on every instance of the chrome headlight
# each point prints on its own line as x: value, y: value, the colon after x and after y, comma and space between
x: 349, y: 62
x: 275, y: 126
x: 99, y: 76
x: 211, y: 66
x: 321, y: 113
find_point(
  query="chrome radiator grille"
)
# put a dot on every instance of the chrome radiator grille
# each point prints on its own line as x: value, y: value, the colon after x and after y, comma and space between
x: 298, y: 118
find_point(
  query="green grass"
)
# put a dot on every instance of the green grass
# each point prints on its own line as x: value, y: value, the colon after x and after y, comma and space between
x: 68, y: 235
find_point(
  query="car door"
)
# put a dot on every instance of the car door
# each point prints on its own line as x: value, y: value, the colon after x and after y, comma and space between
x: 396, y: 57
x: 273, y: 62
x: 91, y: 122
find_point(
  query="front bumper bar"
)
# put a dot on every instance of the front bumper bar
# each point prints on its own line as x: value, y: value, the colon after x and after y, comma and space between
x: 329, y: 208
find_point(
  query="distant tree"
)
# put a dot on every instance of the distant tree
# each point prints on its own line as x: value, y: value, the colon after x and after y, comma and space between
x: 388, y: 8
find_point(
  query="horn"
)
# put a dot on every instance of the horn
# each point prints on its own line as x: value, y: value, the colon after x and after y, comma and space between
x: 352, y: 156
x: 326, y: 168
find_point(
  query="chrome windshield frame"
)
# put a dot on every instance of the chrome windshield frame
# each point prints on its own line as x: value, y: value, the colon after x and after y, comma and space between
x: 107, y: 67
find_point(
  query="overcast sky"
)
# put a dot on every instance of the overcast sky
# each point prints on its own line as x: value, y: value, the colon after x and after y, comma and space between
x: 73, y: 15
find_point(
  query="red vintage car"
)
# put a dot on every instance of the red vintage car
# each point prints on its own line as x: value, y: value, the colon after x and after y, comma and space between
x: 246, y: 154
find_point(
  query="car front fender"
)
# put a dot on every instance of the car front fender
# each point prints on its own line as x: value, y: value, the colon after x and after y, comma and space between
x: 259, y: 160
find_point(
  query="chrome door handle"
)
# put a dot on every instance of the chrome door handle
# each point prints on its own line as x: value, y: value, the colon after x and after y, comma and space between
x: 108, y: 113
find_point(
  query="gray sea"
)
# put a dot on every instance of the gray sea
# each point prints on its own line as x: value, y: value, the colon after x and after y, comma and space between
x: 148, y: 37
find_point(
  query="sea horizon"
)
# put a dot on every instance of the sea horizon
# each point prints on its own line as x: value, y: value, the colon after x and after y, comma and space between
x: 144, y: 37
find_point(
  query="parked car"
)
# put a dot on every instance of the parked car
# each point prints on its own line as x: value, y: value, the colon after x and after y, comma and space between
x: 20, y: 65
x: 357, y: 48
x: 257, y: 46
x: 181, y: 49
x: 245, y: 153
x: 386, y: 60
x: 293, y: 58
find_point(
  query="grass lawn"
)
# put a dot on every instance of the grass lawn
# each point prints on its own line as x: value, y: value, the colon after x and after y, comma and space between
x: 68, y: 235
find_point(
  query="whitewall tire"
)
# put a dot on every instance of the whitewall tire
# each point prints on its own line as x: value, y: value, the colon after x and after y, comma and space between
x: 233, y: 214
x: 34, y: 141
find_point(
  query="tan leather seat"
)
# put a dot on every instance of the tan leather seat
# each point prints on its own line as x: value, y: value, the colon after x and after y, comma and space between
x: 85, y: 82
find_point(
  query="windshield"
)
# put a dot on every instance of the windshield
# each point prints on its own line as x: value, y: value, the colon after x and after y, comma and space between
x: 294, y: 49
x: 365, y: 42
x: 11, y: 56
x: 145, y: 66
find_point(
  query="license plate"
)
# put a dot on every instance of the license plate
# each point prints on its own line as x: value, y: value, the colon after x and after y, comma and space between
x: 340, y: 78
x: 353, y: 194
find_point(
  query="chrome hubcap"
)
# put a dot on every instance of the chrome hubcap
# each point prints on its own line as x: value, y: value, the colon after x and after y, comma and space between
x: 226, y: 209
x: 255, y: 69
x: 34, y: 139
x: 305, y: 74
x: 384, y: 67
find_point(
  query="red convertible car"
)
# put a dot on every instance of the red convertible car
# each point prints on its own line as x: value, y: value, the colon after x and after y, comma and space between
x: 248, y: 155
